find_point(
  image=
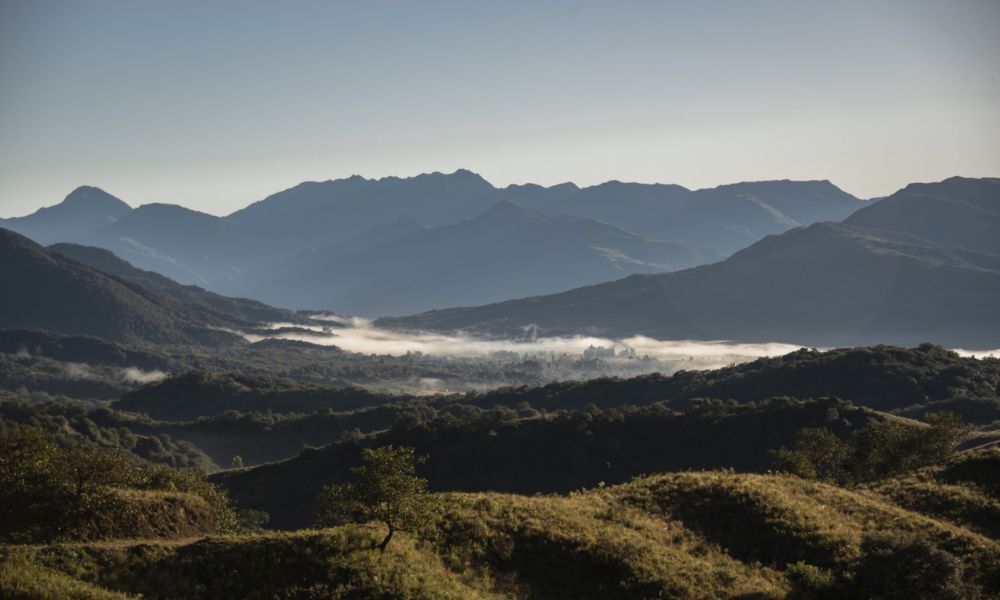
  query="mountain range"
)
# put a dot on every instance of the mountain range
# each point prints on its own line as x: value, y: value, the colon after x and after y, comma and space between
x: 919, y: 265
x: 508, y: 251
x: 725, y: 218
x: 312, y: 230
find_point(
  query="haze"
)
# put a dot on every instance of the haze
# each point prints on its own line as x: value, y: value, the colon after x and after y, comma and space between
x: 355, y: 334
x: 214, y: 105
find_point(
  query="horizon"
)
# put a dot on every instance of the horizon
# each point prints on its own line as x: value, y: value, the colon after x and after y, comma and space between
x: 205, y: 106
x: 135, y: 205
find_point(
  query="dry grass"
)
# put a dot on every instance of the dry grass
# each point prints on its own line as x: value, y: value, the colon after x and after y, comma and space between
x: 682, y: 535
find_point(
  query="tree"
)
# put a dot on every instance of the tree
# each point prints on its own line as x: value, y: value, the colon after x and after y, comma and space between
x: 880, y: 449
x: 894, y: 568
x: 885, y: 448
x: 386, y: 489
x: 29, y: 463
x: 87, y: 469
x: 816, y: 454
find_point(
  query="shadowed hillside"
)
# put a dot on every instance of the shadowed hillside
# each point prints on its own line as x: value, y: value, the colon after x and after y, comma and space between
x: 506, y: 451
x: 46, y: 290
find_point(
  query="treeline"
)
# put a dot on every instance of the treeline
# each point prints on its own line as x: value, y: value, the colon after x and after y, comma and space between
x: 523, y: 450
x: 261, y: 418
x: 886, y: 378
x: 72, y: 423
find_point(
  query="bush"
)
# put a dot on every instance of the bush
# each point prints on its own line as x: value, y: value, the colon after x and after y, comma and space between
x: 876, y: 451
x: 909, y: 568
x: 809, y: 582
x: 51, y: 493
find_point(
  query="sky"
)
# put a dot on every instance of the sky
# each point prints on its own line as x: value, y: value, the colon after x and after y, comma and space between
x: 214, y: 104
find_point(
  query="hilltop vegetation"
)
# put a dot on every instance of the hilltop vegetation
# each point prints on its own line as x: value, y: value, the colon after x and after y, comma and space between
x: 685, y: 535
x: 530, y: 452
x: 52, y: 492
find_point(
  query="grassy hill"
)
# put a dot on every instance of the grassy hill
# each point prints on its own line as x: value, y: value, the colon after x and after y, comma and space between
x: 966, y: 491
x: 682, y: 535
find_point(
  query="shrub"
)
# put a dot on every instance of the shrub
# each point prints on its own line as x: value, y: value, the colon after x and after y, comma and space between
x: 906, y: 568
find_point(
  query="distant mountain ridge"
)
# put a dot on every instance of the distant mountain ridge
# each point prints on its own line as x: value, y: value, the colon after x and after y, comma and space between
x: 85, y: 210
x: 827, y: 284
x: 725, y: 218
x: 507, y: 251
x: 260, y: 242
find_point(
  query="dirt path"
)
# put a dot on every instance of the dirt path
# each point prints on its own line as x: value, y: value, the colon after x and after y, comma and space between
x: 112, y: 543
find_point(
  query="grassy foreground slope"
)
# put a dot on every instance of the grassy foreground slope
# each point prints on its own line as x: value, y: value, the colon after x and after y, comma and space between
x: 681, y: 535
x: 966, y: 491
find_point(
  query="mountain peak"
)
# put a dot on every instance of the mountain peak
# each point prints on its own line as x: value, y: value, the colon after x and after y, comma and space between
x: 85, y: 210
x: 461, y: 176
x: 507, y: 210
x: 96, y: 199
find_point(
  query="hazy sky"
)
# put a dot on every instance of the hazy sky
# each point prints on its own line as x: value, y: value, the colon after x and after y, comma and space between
x: 215, y: 104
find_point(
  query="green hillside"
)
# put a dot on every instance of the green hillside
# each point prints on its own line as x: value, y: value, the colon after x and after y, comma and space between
x: 682, y: 535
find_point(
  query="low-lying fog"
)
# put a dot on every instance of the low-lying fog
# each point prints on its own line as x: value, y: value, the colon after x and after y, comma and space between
x: 359, y: 335
x: 356, y: 334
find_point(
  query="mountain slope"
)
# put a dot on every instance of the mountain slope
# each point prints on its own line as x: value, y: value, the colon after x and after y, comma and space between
x: 237, y: 308
x: 507, y: 252
x: 827, y: 284
x: 46, y: 290
x: 185, y: 245
x: 381, y: 234
x: 731, y: 217
x: 958, y: 212
x: 85, y: 210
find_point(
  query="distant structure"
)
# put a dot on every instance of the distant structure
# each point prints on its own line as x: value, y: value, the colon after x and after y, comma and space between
x: 608, y: 352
